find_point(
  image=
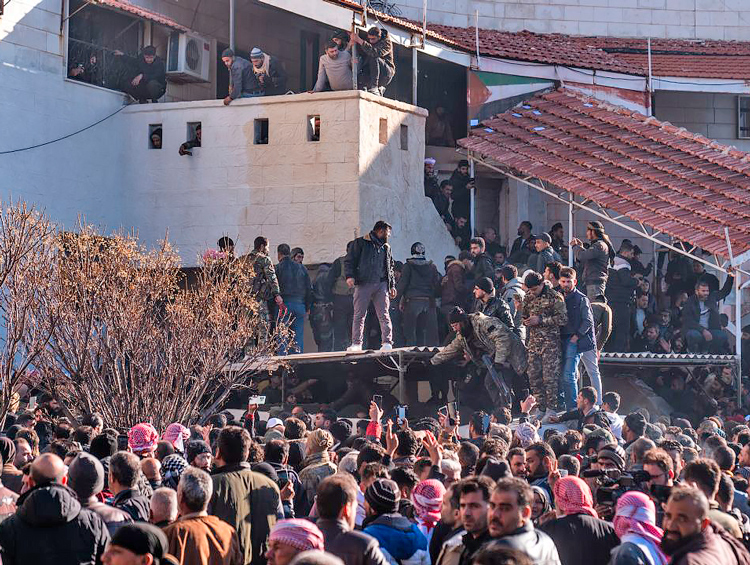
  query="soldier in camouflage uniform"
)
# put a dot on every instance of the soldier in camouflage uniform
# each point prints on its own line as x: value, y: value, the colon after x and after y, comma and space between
x: 478, y: 335
x: 265, y: 286
x: 544, y: 313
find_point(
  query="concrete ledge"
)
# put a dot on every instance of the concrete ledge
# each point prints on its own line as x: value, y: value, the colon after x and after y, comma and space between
x: 282, y: 99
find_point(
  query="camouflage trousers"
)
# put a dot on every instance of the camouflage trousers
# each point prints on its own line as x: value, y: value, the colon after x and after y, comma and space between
x: 544, y: 375
x: 264, y: 320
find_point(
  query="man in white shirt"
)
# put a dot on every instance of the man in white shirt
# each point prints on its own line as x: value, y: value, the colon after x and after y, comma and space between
x: 610, y: 405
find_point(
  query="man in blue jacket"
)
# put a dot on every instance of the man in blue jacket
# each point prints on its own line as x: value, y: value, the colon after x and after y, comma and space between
x: 368, y: 267
x: 296, y: 290
x: 578, y: 340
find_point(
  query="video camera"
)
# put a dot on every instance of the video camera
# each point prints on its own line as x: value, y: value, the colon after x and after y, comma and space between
x: 613, y: 483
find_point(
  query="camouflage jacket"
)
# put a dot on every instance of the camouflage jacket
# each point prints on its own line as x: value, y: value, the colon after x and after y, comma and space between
x: 265, y: 284
x: 317, y: 467
x: 550, y: 307
x: 491, y: 337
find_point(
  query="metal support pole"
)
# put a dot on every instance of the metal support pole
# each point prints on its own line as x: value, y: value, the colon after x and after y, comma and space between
x: 424, y: 23
x: 737, y: 319
x: 231, y: 24
x: 650, y: 75
x: 414, y: 75
x: 472, y: 198
x: 570, y: 229
x: 401, y: 378
x: 355, y: 67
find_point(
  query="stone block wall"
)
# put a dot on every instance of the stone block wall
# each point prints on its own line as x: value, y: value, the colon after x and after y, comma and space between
x: 314, y: 194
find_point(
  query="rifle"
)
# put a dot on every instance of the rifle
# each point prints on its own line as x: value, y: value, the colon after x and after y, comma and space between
x: 505, y: 392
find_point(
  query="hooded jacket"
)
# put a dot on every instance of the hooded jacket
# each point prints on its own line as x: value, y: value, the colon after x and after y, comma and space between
x: 419, y: 279
x: 595, y: 261
x: 50, y: 527
x: 621, y: 284
x: 400, y: 540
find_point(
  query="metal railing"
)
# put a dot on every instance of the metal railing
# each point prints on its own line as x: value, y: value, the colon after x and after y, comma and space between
x: 95, y: 64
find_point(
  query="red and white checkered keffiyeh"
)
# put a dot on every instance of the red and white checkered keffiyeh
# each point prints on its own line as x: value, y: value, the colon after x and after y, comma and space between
x: 300, y: 534
x: 427, y: 498
x: 142, y: 437
x: 177, y: 435
x: 573, y: 496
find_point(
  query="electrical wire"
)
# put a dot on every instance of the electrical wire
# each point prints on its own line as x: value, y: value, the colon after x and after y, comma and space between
x: 120, y: 109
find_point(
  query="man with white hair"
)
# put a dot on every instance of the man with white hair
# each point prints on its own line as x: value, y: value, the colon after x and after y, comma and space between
x: 197, y: 537
x: 163, y: 507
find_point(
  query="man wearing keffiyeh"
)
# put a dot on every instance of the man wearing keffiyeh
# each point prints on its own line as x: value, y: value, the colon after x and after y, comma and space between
x: 142, y: 440
x: 427, y: 498
x: 580, y: 536
x: 635, y: 524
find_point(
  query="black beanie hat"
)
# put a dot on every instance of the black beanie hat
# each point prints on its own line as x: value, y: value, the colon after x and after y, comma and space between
x: 142, y: 539
x: 194, y: 448
x: 485, y: 284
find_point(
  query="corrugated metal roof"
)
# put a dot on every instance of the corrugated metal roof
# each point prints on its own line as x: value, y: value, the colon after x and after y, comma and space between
x: 652, y: 172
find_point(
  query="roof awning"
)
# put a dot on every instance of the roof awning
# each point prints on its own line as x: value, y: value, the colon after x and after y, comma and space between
x: 125, y: 6
x: 629, y: 165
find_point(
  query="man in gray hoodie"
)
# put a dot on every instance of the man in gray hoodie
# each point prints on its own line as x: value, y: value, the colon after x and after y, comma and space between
x: 334, y: 70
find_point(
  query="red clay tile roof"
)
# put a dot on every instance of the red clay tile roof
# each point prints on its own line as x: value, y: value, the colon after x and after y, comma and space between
x: 679, y: 183
x: 670, y: 57
x: 126, y: 6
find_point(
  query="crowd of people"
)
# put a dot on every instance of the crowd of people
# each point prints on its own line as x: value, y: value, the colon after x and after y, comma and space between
x: 307, y: 487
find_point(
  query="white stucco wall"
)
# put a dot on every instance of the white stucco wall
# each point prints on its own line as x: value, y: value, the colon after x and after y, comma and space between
x: 81, y: 175
x: 704, y: 19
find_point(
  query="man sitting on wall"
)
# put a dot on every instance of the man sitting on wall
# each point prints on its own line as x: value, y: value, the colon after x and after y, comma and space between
x: 334, y: 70
x: 149, y: 81
x: 379, y: 67
x: 268, y: 72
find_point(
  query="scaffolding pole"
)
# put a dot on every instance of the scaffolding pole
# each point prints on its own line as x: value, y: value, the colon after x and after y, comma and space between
x: 414, y: 75
x: 570, y: 229
x: 472, y: 213
x: 231, y: 24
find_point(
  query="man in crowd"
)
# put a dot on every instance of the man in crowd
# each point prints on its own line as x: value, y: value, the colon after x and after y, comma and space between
x: 50, y: 527
x: 124, y: 469
x: 291, y: 537
x: 701, y: 323
x: 491, y: 243
x: 334, y: 70
x: 431, y: 187
x: 545, y: 253
x: 595, y: 259
x: 369, y: 271
x: 265, y: 285
x: 490, y: 305
x: 462, y: 185
x: 483, y: 266
x: 417, y: 288
x: 268, y: 72
x: 296, y: 292
x: 509, y: 522
x: 246, y: 500
x: 586, y: 411
x: 544, y: 313
x: 443, y: 201
x: 474, y: 498
x: 197, y: 537
x: 242, y: 82
x: 336, y: 502
x: 620, y: 293
x: 578, y: 339
x: 139, y: 543
x: 512, y: 292
x: 519, y: 252
x: 379, y: 67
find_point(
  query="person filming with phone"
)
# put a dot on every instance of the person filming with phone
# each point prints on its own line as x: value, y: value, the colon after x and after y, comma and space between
x: 482, y: 340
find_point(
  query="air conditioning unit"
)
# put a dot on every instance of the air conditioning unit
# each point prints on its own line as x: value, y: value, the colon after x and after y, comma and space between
x: 188, y: 58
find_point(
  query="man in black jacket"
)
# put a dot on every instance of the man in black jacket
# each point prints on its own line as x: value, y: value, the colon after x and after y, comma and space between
x: 619, y: 293
x: 379, y: 66
x: 418, y: 288
x: 463, y: 184
x: 150, y: 79
x: 585, y: 411
x: 490, y: 305
x: 701, y: 322
x: 509, y: 522
x: 296, y: 290
x: 368, y: 267
x: 50, y: 527
x: 483, y: 265
x: 474, y: 497
x: 124, y: 469
x: 336, y: 502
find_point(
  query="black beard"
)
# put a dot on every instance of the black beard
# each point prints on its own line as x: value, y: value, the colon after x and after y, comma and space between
x: 670, y: 547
